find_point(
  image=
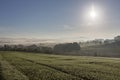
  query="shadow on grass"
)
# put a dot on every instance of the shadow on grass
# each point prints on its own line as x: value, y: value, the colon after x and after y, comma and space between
x: 1, y: 75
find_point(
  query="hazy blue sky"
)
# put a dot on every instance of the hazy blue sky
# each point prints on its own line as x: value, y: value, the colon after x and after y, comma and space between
x: 64, y: 19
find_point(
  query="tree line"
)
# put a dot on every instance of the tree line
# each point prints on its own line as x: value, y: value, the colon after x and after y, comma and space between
x: 59, y: 48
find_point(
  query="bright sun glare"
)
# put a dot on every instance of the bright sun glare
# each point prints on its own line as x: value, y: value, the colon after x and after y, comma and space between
x: 93, y: 13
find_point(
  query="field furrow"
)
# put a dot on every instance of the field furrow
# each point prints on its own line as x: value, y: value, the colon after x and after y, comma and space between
x: 9, y: 72
x: 56, y: 67
x: 84, y: 70
x: 38, y: 72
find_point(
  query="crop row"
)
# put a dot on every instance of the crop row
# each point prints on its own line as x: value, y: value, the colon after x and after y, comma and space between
x: 52, y: 67
x: 8, y: 72
x: 37, y: 72
x: 87, y: 70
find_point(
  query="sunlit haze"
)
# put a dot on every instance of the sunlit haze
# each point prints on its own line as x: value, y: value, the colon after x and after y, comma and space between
x: 70, y: 20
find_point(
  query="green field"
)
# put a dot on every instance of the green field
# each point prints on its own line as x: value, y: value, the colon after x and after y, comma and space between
x: 32, y: 66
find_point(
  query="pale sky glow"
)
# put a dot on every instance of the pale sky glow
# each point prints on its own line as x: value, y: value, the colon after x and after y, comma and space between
x: 60, y: 19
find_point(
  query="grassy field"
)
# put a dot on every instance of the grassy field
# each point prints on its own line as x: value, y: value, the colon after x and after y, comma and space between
x: 32, y: 66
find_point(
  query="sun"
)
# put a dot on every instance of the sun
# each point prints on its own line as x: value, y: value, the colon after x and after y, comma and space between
x: 93, y: 13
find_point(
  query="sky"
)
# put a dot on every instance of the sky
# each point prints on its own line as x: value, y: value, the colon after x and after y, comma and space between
x: 59, y: 19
